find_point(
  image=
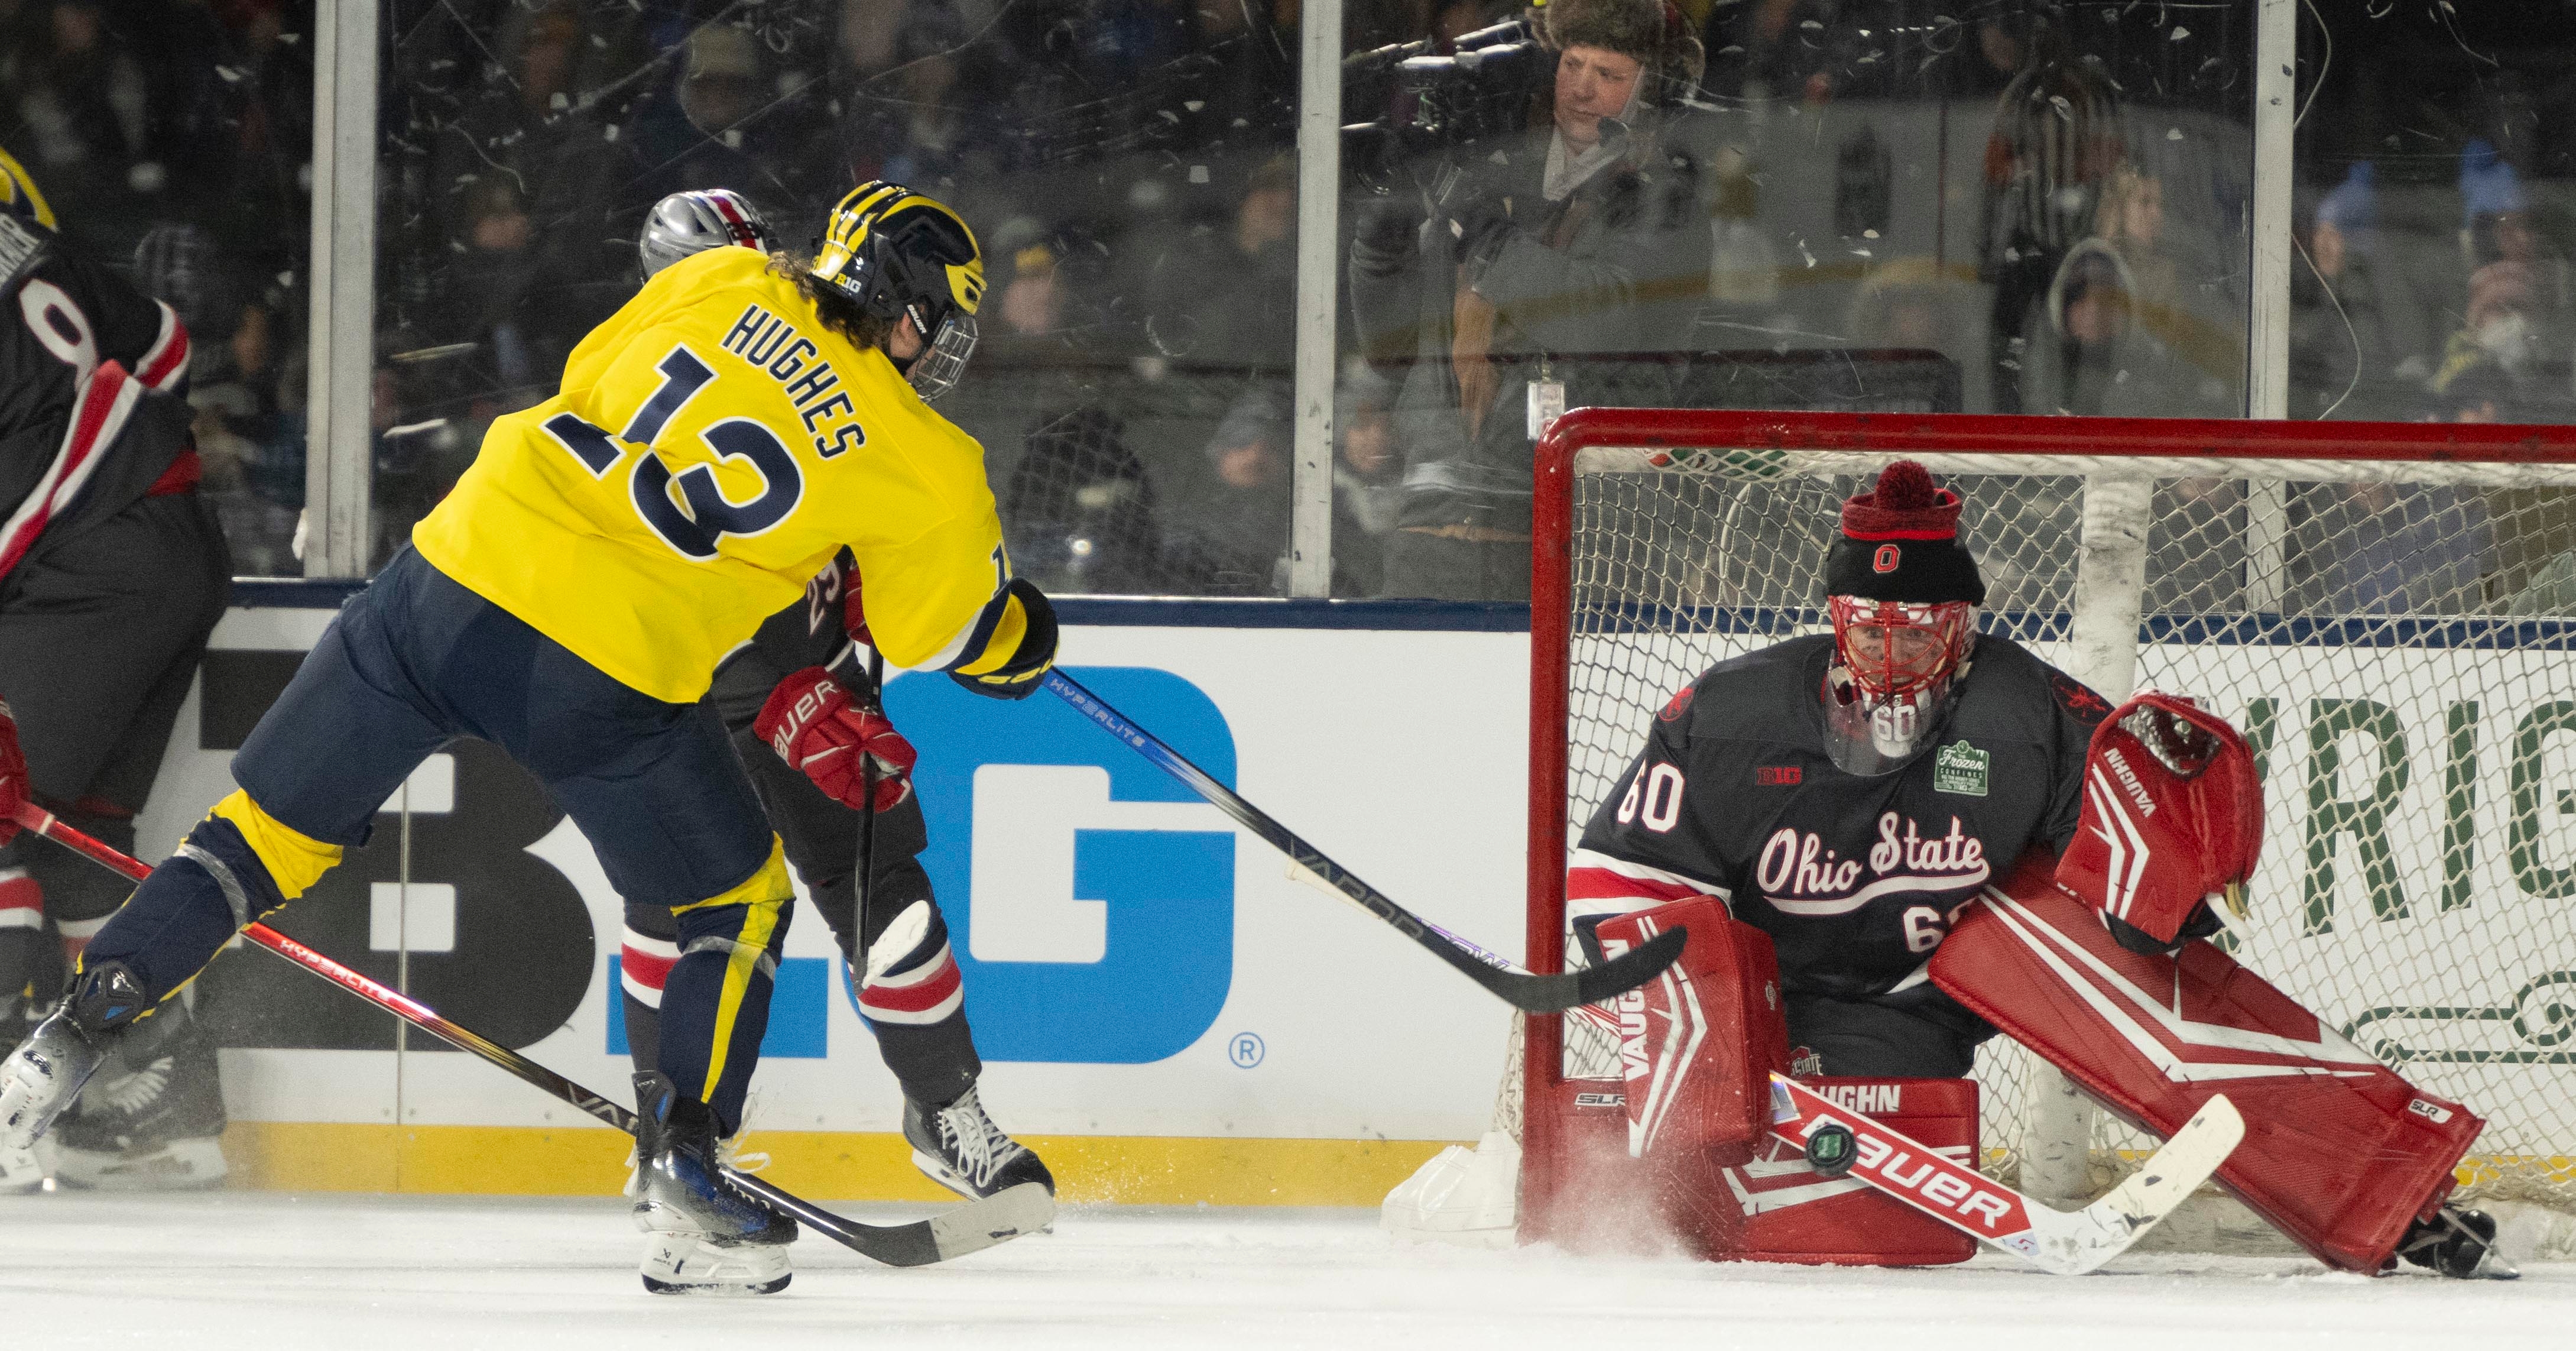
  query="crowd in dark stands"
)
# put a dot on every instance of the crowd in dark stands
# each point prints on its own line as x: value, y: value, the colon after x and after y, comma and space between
x: 2057, y: 208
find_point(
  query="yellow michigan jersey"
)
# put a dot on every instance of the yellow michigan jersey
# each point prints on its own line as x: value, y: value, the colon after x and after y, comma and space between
x: 712, y: 446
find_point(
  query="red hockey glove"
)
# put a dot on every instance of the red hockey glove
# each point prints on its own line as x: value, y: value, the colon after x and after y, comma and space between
x: 13, y: 776
x: 2172, y: 820
x: 813, y: 724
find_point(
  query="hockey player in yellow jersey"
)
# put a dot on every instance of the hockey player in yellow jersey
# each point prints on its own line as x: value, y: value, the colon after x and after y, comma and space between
x: 713, y: 446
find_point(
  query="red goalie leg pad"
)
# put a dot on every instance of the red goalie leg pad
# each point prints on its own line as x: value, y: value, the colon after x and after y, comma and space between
x: 1791, y: 1214
x: 2339, y: 1152
x: 1645, y: 1157
x: 1698, y: 1043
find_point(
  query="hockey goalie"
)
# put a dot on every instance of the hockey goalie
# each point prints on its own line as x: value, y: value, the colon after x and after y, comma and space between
x: 1890, y: 843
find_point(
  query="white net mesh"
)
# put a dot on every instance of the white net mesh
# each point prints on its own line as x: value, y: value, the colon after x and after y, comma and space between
x: 2394, y: 639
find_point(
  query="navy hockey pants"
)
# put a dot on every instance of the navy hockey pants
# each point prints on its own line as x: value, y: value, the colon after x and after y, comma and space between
x: 417, y: 660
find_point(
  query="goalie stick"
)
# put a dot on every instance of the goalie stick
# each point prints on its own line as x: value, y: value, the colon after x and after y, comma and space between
x: 1005, y: 1215
x: 2067, y: 1242
x: 1522, y: 990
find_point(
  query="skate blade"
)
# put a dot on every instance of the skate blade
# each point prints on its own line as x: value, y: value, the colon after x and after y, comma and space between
x: 690, y: 1264
x: 720, y: 1291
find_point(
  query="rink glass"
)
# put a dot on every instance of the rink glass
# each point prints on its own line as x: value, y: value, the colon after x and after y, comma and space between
x: 1126, y: 168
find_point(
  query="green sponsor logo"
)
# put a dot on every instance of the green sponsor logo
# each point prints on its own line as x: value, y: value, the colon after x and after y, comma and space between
x: 1960, y: 768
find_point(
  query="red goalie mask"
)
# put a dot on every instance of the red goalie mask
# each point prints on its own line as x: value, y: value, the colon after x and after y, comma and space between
x: 1899, y: 647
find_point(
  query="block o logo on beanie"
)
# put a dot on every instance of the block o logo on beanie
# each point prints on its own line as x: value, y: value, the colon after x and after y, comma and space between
x: 1886, y: 559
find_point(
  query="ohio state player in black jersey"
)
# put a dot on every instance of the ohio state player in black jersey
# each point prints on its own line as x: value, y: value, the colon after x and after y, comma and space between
x: 1849, y: 794
x: 112, y: 575
x: 1855, y: 797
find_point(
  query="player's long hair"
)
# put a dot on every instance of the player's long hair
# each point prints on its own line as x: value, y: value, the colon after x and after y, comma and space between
x: 838, y: 312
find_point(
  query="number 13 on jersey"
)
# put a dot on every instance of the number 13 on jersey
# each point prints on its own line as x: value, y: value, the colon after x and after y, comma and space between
x: 709, y: 515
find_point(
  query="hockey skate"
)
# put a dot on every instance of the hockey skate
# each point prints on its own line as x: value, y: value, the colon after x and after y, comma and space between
x: 2459, y: 1243
x: 706, y: 1235
x: 42, y: 1076
x: 960, y: 1148
x: 21, y: 1170
x: 153, y: 1117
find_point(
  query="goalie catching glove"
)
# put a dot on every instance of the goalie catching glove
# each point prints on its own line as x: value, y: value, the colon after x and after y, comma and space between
x: 839, y: 743
x: 2173, y: 820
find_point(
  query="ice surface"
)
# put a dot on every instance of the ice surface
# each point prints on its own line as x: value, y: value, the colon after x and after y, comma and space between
x: 372, y: 1273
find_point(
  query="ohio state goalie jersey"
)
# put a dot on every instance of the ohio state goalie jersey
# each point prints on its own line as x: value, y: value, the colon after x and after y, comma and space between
x: 1856, y: 879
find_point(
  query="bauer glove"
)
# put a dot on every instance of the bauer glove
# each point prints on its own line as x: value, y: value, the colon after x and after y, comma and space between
x: 839, y: 743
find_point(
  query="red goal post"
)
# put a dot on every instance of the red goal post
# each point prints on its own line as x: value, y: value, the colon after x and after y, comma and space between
x: 2295, y: 502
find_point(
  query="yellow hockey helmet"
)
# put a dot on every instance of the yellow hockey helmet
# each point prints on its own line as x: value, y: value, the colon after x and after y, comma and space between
x: 896, y: 252
x: 18, y: 194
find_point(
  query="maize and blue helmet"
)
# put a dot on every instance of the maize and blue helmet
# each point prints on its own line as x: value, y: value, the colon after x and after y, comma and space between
x: 897, y: 253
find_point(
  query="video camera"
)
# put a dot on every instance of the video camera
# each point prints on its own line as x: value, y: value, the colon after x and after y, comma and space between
x: 1423, y: 99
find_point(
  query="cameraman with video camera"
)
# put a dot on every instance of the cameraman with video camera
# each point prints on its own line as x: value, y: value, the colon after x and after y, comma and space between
x: 1566, y: 235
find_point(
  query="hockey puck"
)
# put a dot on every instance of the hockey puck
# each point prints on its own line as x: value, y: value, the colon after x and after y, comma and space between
x: 1830, y: 1150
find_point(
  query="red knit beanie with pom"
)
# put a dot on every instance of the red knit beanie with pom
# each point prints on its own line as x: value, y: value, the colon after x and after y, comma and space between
x: 1900, y: 541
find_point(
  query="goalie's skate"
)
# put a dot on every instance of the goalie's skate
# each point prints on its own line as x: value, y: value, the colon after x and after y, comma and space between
x: 2458, y: 1243
x: 960, y: 1148
x: 708, y: 1236
x: 42, y: 1076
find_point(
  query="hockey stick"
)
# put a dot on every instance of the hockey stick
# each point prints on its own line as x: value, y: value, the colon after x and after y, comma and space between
x: 2067, y: 1242
x: 868, y: 818
x: 1522, y: 990
x: 1005, y: 1215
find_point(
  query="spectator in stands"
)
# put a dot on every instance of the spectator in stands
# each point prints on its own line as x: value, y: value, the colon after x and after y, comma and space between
x: 85, y: 109
x: 1227, y: 298
x: 1368, y: 481
x: 2112, y: 364
x: 2513, y: 325
x: 1235, y: 542
x: 1080, y: 512
x: 2342, y: 357
x: 232, y: 386
x: 1536, y: 253
x: 2056, y: 138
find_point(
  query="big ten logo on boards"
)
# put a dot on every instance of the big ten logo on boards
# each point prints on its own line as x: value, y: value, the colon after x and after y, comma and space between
x: 444, y: 899
x: 1092, y: 894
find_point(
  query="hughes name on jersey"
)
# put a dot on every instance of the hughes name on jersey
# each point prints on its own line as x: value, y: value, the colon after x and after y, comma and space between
x: 1855, y: 878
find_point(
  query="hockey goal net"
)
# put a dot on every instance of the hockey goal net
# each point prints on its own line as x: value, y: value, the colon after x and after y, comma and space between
x: 2387, y: 610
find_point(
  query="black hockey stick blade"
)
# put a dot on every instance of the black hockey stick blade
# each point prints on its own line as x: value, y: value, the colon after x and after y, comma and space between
x: 977, y: 1225
x: 1521, y: 989
x: 1630, y: 969
x: 973, y: 1227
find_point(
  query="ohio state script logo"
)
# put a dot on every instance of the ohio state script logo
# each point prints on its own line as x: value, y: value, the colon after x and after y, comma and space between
x: 1797, y: 873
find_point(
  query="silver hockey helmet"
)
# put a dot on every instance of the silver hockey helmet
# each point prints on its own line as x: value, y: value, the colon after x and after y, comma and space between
x: 693, y: 222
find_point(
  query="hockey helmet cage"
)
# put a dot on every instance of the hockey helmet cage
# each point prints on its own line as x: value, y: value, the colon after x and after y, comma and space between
x: 693, y: 222
x: 18, y: 194
x: 896, y: 253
